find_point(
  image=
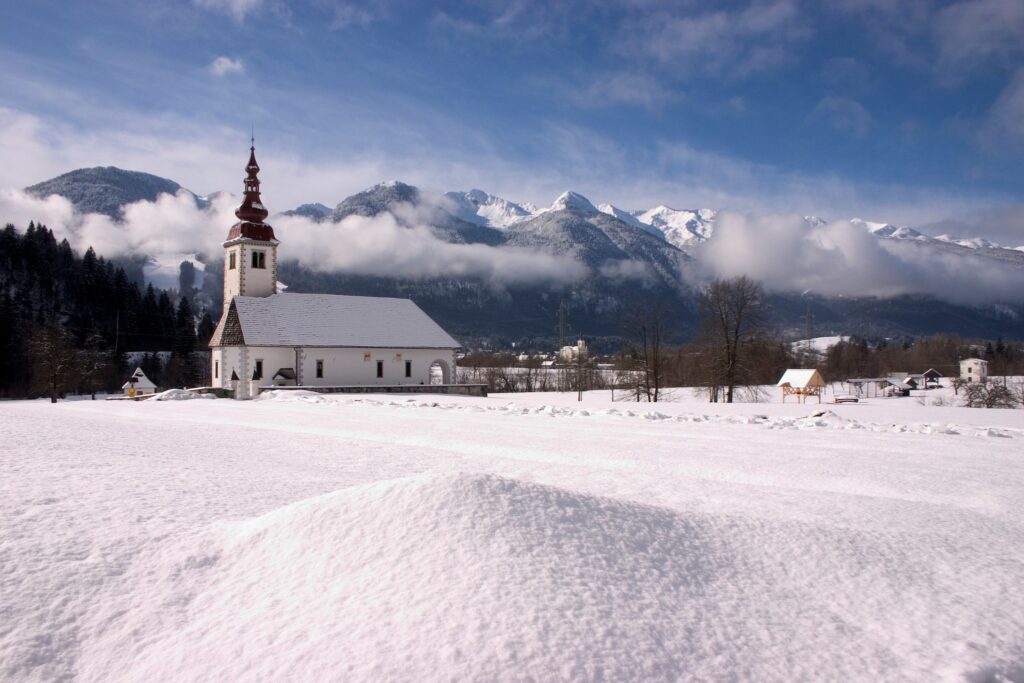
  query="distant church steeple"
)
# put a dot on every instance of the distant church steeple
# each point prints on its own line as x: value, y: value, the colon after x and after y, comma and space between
x: 252, y: 208
x: 251, y: 213
x: 250, y: 252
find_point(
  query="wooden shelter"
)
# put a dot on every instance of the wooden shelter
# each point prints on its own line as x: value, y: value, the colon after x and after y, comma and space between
x: 801, y: 383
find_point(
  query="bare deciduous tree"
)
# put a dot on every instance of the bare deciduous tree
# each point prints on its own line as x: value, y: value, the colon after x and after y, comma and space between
x: 988, y: 395
x: 645, y: 334
x: 731, y: 312
x: 54, y: 361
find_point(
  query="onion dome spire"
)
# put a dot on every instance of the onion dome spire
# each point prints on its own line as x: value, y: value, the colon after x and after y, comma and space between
x: 251, y: 213
x: 252, y: 209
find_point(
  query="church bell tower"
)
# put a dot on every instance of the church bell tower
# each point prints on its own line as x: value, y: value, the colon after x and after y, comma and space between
x: 250, y: 252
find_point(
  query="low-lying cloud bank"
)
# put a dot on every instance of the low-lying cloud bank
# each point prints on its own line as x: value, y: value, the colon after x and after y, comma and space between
x: 786, y: 252
x: 378, y: 245
x: 382, y: 246
x: 840, y: 258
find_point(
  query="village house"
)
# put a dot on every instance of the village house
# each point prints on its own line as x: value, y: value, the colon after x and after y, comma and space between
x: 138, y: 384
x: 265, y: 338
x: 974, y: 370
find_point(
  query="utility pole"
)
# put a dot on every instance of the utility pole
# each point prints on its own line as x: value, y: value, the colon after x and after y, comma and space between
x: 561, y: 326
x: 579, y: 373
x: 807, y: 326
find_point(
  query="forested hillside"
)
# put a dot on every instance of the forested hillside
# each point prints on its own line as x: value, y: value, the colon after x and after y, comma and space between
x: 71, y: 322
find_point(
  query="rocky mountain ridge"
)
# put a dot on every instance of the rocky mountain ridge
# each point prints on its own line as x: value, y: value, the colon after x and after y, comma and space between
x: 632, y: 257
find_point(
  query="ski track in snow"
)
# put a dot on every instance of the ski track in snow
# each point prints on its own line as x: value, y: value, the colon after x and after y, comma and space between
x: 306, y: 537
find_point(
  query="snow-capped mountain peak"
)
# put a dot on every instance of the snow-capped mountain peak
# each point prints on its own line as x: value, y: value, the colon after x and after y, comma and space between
x: 969, y: 242
x: 629, y: 219
x: 681, y: 227
x: 481, y: 208
x: 573, y: 201
x: 889, y: 230
x: 624, y: 216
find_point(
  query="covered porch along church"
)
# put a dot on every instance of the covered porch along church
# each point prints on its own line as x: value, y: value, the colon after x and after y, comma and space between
x: 268, y: 339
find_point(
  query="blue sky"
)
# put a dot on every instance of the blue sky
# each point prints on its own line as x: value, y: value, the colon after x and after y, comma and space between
x: 899, y: 110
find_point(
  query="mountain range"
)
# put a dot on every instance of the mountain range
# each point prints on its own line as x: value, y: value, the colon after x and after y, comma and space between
x: 632, y: 257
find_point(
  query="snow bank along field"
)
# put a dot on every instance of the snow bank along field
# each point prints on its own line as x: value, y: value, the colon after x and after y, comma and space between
x: 517, y: 537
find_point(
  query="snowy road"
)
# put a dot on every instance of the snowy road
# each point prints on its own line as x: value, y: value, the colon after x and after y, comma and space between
x: 509, y: 538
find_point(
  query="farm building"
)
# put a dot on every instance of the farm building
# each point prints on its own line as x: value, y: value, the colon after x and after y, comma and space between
x: 801, y: 384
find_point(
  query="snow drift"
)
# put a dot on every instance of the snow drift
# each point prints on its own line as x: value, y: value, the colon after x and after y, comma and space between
x: 479, y: 577
x: 471, y: 576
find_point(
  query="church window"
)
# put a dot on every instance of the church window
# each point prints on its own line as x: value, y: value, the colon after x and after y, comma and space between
x: 380, y: 368
x: 408, y: 368
x: 319, y: 369
x: 216, y: 369
x: 258, y: 374
x: 231, y: 260
x: 259, y: 259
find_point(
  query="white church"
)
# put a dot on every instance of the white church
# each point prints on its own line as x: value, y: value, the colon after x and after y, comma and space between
x: 267, y: 339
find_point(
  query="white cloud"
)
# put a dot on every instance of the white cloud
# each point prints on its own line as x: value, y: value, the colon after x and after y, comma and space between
x: 623, y: 88
x: 759, y: 37
x: 948, y: 41
x: 207, y: 158
x: 843, y: 259
x: 202, y: 158
x: 237, y: 9
x: 516, y: 20
x: 381, y: 245
x: 784, y: 251
x: 1006, y: 117
x: 628, y: 269
x: 221, y: 66
x: 347, y: 14
x: 843, y: 113
x: 974, y: 33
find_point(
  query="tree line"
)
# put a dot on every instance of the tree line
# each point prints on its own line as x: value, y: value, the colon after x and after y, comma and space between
x: 69, y: 321
x: 735, y: 353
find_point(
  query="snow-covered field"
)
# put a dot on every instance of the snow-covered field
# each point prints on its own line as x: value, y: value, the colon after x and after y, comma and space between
x: 517, y: 537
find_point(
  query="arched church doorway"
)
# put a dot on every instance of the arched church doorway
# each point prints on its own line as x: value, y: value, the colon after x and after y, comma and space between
x: 440, y: 372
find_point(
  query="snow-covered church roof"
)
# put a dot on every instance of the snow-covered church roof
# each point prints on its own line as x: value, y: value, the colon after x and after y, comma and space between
x: 329, y: 320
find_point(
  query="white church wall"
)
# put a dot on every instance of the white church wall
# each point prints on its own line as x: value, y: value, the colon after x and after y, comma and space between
x: 223, y: 361
x: 341, y: 366
x: 358, y: 366
x: 242, y: 361
x: 272, y: 358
